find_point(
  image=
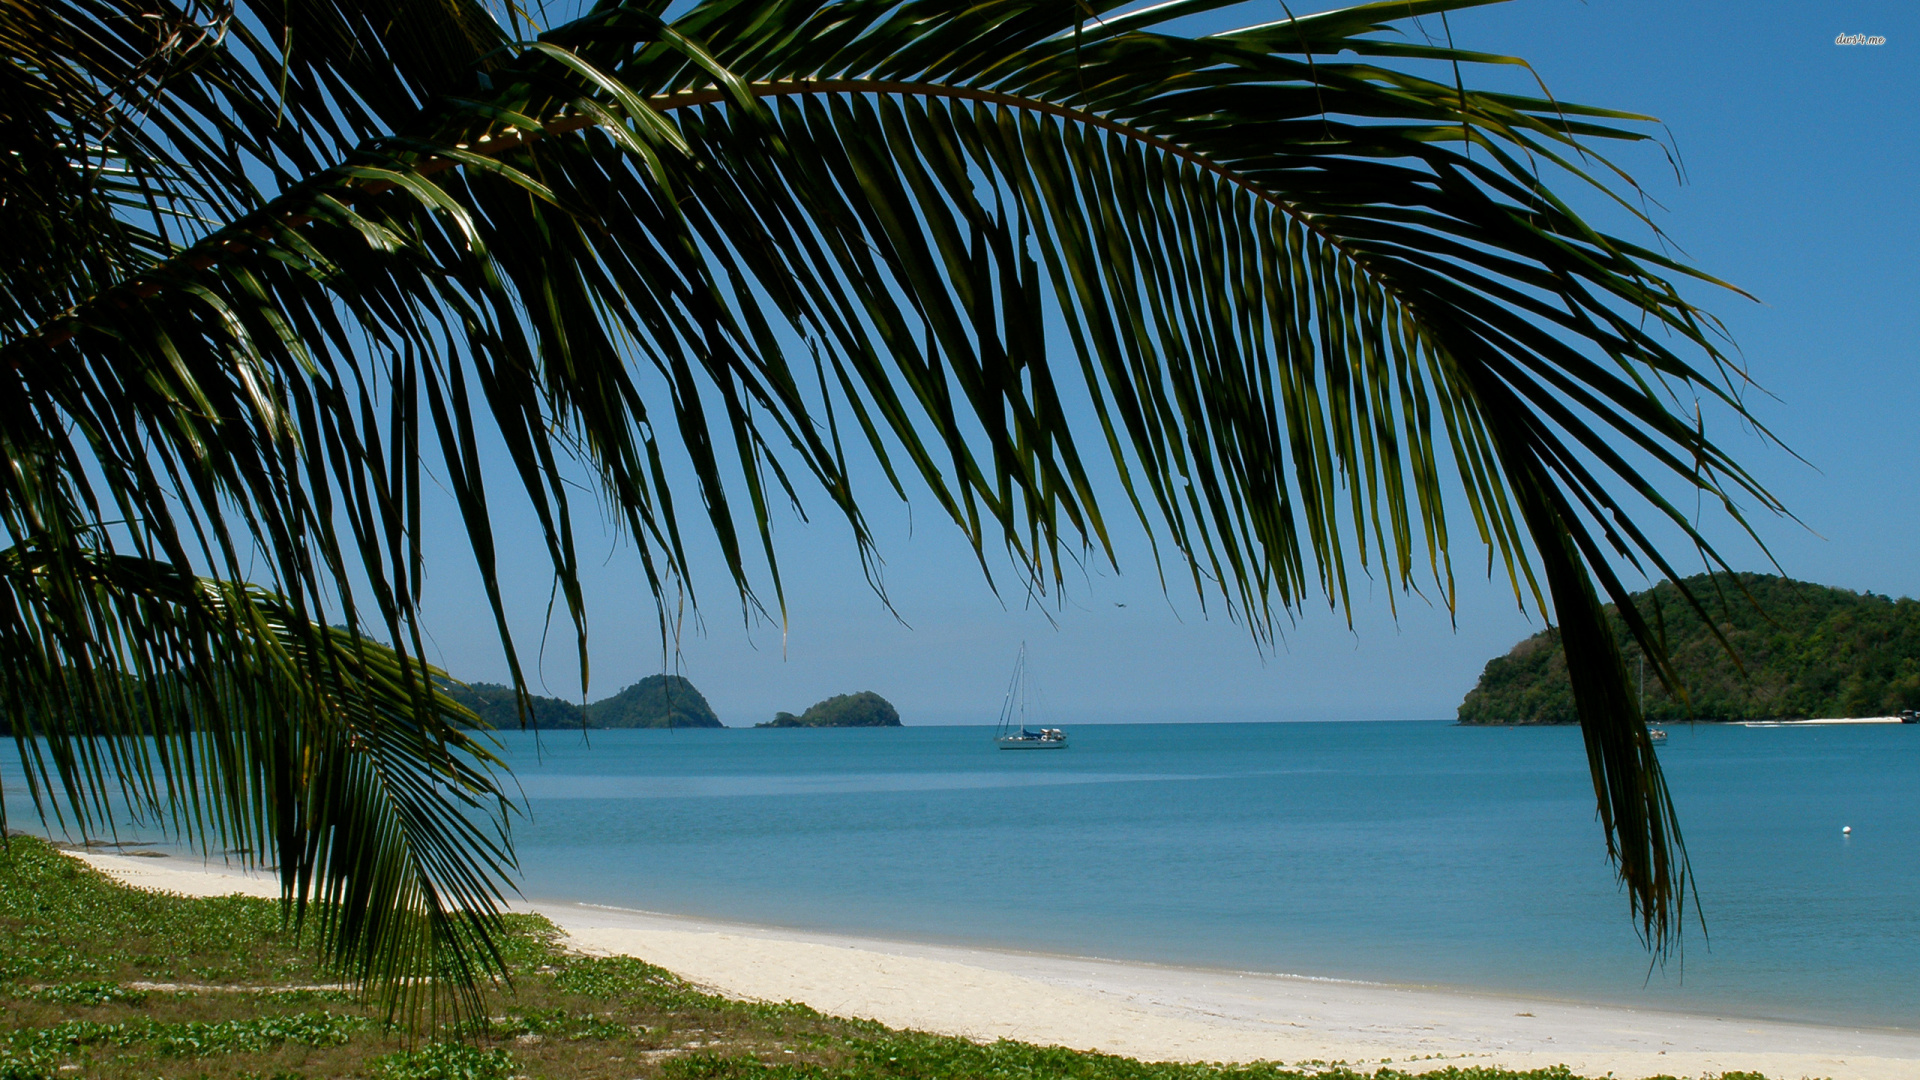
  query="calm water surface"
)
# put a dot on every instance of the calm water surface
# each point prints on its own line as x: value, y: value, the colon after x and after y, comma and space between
x: 1403, y: 852
x: 1400, y: 852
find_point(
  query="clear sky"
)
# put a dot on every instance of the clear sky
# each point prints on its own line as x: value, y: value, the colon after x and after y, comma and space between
x: 1800, y: 164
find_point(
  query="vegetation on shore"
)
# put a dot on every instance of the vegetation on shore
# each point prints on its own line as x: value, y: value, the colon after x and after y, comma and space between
x: 494, y: 704
x: 99, y: 980
x: 864, y: 709
x: 657, y: 701
x: 1804, y: 650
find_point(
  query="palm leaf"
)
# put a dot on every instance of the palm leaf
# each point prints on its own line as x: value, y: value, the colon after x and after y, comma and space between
x: 208, y: 708
x: 1314, y: 297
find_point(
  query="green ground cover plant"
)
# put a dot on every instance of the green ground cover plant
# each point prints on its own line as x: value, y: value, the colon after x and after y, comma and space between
x: 99, y: 980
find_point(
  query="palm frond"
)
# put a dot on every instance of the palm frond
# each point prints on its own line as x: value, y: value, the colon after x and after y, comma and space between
x: 209, y: 709
x: 1313, y: 296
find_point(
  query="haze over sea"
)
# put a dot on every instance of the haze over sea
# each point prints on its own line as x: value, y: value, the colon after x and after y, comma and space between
x: 1404, y: 852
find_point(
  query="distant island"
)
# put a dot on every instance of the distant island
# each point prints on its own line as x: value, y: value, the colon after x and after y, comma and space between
x: 864, y: 709
x: 657, y: 701
x: 1808, y: 650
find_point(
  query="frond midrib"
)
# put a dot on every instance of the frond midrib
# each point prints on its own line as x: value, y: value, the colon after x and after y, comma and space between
x: 238, y: 236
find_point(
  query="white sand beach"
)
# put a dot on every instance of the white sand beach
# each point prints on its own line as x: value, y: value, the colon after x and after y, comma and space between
x: 1168, y: 1013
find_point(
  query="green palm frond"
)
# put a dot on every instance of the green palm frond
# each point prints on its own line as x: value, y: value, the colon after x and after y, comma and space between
x: 280, y: 255
x: 210, y: 708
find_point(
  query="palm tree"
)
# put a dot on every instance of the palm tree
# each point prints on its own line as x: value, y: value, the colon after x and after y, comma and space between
x: 274, y: 267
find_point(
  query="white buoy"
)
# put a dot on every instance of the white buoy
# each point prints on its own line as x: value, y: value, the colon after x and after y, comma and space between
x: 1846, y: 830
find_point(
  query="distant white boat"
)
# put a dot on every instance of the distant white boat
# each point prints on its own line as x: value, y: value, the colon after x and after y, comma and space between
x: 1654, y: 735
x: 1051, y: 738
x: 1013, y: 732
x: 1828, y: 721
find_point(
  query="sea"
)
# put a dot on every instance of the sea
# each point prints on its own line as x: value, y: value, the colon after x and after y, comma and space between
x: 1410, y: 853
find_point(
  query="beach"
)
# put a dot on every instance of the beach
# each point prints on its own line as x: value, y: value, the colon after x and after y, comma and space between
x: 1166, y: 1013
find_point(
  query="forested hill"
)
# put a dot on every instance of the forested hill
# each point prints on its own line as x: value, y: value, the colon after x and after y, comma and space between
x: 1808, y: 650
x: 656, y: 701
x: 864, y: 709
x: 494, y: 704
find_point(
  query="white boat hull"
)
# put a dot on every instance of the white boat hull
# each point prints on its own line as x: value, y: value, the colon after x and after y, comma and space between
x: 1031, y: 744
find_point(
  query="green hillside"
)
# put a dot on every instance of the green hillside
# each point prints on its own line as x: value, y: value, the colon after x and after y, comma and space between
x: 494, y: 704
x: 864, y: 709
x: 1808, y: 650
x: 656, y: 701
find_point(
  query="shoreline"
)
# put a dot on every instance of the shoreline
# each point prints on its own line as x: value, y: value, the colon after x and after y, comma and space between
x: 1160, y: 1012
x: 930, y: 945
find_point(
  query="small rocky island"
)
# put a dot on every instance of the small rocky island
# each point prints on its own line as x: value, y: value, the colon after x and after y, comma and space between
x: 1805, y: 650
x: 657, y: 701
x: 864, y: 709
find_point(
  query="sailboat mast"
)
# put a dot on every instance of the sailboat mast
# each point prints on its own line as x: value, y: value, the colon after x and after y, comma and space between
x: 1015, y: 687
x: 1023, y: 686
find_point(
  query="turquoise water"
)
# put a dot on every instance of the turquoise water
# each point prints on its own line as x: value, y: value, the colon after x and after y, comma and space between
x: 1402, y: 852
x: 1399, y: 852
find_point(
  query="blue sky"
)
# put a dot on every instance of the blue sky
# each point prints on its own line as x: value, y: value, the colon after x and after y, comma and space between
x: 1800, y: 161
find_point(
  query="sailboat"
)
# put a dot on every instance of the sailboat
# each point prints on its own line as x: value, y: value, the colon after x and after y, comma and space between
x: 1013, y: 733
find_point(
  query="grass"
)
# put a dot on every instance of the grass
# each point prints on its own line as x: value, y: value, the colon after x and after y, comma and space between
x: 79, y: 955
